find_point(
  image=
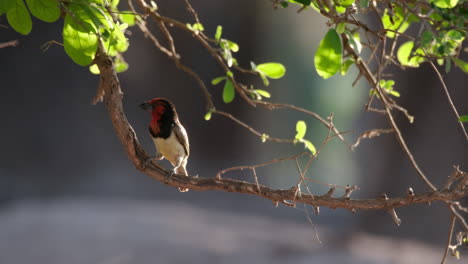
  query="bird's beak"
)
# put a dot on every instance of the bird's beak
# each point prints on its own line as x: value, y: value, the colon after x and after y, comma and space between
x: 146, y: 106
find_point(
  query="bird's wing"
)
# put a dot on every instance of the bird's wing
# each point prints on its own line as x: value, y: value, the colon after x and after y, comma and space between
x: 182, y: 137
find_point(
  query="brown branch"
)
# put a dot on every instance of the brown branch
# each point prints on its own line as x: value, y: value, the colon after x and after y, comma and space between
x: 11, y: 43
x: 364, y: 69
x: 449, y: 239
x: 371, y: 134
x: 113, y: 101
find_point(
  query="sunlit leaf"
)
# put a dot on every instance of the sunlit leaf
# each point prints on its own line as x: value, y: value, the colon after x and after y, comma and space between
x: 217, y: 80
x: 45, y: 10
x: 272, y: 69
x: 79, y: 44
x: 445, y: 3
x: 301, y: 129
x: 120, y: 65
x: 310, y: 146
x: 355, y: 41
x: 263, y: 93
x: 404, y: 53
x: 345, y: 66
x: 219, y: 32
x: 329, y: 55
x: 461, y: 64
x: 208, y: 116
x: 94, y: 69
x: 340, y: 28
x: 344, y: 3
x: 128, y: 17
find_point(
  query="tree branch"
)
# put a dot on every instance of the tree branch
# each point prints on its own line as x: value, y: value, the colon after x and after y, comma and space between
x: 110, y: 84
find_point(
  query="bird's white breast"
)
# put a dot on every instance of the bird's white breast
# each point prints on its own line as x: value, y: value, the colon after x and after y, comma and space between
x: 170, y: 148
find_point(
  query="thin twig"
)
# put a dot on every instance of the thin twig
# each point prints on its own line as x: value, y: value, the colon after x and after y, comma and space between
x: 449, y: 98
x: 11, y: 43
x: 449, y: 239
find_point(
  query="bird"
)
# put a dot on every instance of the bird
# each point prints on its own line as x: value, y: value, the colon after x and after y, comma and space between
x: 169, y: 136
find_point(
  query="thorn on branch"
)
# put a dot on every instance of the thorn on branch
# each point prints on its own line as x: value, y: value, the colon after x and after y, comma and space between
x: 287, y: 203
x: 316, y: 210
x: 330, y: 192
x: 394, y: 215
x: 410, y: 193
x: 349, y: 190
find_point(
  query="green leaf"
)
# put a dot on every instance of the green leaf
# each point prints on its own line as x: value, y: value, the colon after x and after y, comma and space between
x: 355, y: 41
x: 344, y: 3
x: 19, y: 18
x: 397, y: 22
x: 461, y: 64
x: 228, y: 92
x: 329, y: 55
x: 463, y: 118
x: 272, y: 70
x: 114, y: 3
x: 340, y: 9
x: 94, y: 69
x: 208, y: 116
x: 301, y: 129
x: 445, y: 3
x: 426, y: 38
x: 394, y: 93
x: 232, y: 46
x: 45, y: 10
x: 263, y: 93
x: 219, y: 32
x: 265, y: 80
x: 455, y: 35
x: 217, y: 80
x: 197, y: 27
x: 364, y: 3
x: 120, y: 65
x: 345, y: 66
x: 128, y: 17
x: 404, y: 53
x: 6, y: 5
x: 340, y: 28
x: 310, y: 146
x: 78, y: 42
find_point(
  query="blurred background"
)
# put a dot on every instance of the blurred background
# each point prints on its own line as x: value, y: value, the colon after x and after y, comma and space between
x: 68, y: 194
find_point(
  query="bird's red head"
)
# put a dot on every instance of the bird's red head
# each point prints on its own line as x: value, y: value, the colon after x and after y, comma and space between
x: 162, y: 113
